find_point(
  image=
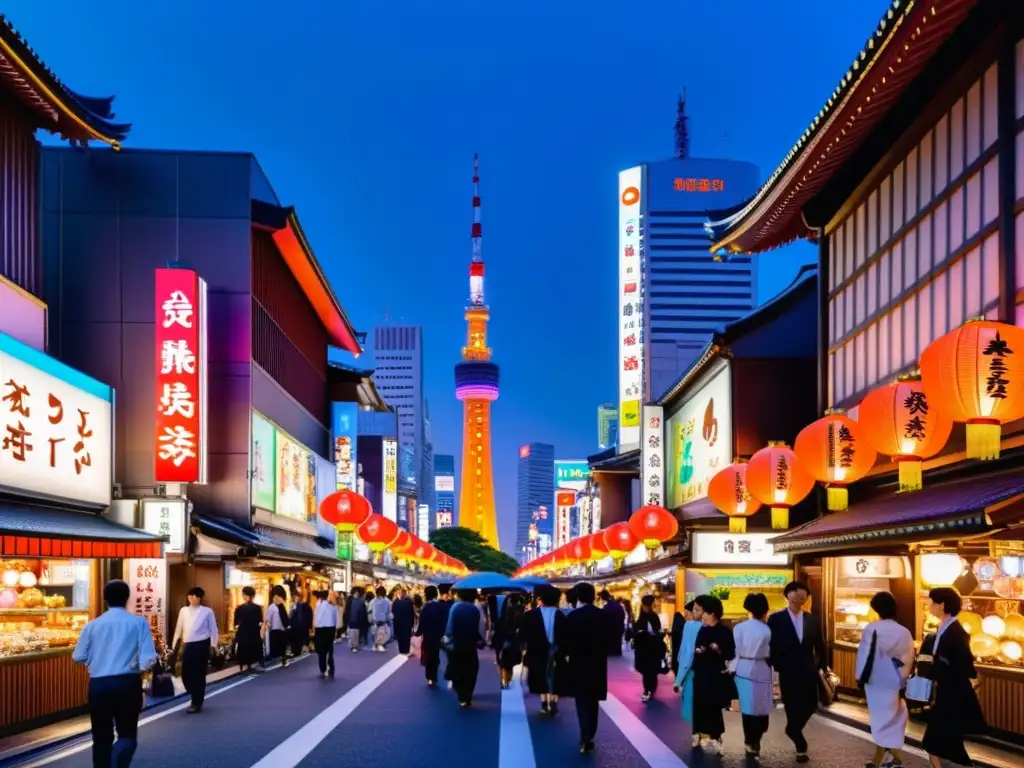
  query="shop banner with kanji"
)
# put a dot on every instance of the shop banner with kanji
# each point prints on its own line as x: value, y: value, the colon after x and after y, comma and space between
x: 180, y: 377
x: 147, y: 579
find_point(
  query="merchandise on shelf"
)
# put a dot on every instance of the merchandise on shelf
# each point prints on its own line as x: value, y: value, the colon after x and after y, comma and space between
x: 43, y: 604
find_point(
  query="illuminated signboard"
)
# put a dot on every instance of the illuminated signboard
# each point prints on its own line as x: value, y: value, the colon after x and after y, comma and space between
x: 679, y: 184
x: 295, y: 474
x: 389, y: 500
x: 180, y: 377
x: 652, y: 456
x: 346, y: 461
x: 571, y: 474
x: 629, y: 307
x: 444, y: 484
x: 564, y: 502
x: 445, y: 519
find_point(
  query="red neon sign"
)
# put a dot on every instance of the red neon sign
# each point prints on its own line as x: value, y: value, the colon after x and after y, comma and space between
x: 180, y: 377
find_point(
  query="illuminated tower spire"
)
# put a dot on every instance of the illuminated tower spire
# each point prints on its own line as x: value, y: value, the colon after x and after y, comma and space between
x: 476, y: 385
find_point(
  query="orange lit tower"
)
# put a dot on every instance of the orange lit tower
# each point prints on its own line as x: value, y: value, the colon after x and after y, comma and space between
x: 476, y: 385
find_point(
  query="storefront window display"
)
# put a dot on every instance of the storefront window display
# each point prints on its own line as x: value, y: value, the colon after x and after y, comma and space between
x: 43, y: 604
x: 858, y: 579
x: 731, y: 566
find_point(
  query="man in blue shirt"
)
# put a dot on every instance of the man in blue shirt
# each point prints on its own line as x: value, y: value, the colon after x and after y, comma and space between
x: 117, y: 647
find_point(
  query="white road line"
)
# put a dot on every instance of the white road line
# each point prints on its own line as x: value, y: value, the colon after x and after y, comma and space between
x: 293, y: 750
x: 87, y: 744
x: 652, y: 749
x: 849, y: 729
x: 515, y: 744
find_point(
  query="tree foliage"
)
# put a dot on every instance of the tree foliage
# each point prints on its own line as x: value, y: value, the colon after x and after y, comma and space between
x: 682, y: 128
x: 471, y: 548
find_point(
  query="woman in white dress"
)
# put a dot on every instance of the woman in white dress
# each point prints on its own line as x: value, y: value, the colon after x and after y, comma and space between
x: 884, y: 660
x: 753, y: 674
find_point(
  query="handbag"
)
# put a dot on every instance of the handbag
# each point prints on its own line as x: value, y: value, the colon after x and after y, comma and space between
x: 828, y: 682
x: 919, y: 690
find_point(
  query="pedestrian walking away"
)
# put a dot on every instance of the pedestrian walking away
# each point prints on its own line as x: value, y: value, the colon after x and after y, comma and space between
x: 381, y: 619
x: 117, y: 648
x: 464, y: 635
x: 325, y: 630
x: 195, y: 633
x: 587, y: 640
x: 542, y: 637
x: 277, y: 624
x: 615, y: 618
x: 248, y: 624
x: 648, y: 646
x: 357, y: 620
x: 753, y: 673
x: 798, y: 655
x: 301, y: 621
x: 404, y: 613
x: 430, y: 630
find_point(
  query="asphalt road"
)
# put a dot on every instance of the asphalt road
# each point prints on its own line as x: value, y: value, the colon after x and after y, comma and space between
x: 379, y: 712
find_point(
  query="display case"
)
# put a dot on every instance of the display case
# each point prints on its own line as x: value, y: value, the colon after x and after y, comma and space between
x: 858, y: 579
x: 732, y: 585
x: 44, y: 604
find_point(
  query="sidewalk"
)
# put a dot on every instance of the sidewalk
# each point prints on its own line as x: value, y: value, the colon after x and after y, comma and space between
x: 21, y: 745
x: 985, y: 753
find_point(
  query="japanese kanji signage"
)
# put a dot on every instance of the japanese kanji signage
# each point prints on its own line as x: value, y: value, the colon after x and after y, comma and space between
x: 147, y: 579
x: 680, y: 184
x: 652, y: 456
x: 389, y: 497
x: 166, y: 517
x: 180, y: 377
x: 629, y: 306
x: 735, y: 549
x: 55, y: 427
x: 564, y: 503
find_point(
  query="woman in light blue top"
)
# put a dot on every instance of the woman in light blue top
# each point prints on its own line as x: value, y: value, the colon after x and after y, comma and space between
x: 753, y: 673
x: 684, y: 676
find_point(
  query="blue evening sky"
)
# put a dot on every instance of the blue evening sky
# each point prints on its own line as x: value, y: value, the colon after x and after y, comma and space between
x: 365, y: 116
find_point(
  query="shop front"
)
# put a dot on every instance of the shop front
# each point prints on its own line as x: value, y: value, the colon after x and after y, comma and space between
x: 56, y: 547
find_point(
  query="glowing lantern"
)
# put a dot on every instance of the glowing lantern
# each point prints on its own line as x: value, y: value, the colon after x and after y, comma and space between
x: 401, y: 543
x: 377, y: 532
x: 940, y: 569
x: 899, y: 421
x: 1010, y: 652
x: 728, y: 492
x: 345, y: 510
x: 1014, y: 627
x: 776, y: 479
x: 970, y: 621
x: 581, y: 550
x: 652, y: 525
x: 834, y: 451
x: 984, y: 646
x: 598, y: 548
x: 620, y: 541
x: 993, y: 625
x: 976, y: 373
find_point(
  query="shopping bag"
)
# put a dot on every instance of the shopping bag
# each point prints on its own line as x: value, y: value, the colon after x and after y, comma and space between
x: 416, y: 645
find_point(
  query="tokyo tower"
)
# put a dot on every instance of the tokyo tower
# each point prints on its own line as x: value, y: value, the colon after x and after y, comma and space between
x: 476, y: 385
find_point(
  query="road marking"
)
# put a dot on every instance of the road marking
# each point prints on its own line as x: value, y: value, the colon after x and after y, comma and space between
x: 515, y: 744
x: 849, y: 729
x: 293, y: 750
x: 652, y: 749
x: 87, y: 744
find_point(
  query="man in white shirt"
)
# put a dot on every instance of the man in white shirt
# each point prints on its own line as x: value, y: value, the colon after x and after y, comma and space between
x: 117, y: 647
x: 197, y: 629
x: 325, y: 628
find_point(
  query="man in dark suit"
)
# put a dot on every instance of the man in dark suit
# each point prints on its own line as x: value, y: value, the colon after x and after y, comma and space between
x: 587, y: 636
x: 797, y: 654
x: 615, y: 622
x: 433, y: 620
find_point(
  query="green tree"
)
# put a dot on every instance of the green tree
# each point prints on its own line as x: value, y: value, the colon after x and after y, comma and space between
x: 471, y: 548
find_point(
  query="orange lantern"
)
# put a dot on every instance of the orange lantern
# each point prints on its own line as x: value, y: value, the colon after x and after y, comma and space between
x: 401, y: 543
x: 345, y: 510
x: 652, y: 525
x: 728, y: 492
x: 598, y: 548
x: 976, y: 373
x: 776, y: 479
x: 899, y: 420
x: 377, y: 532
x: 581, y: 550
x: 835, y: 452
x: 620, y: 541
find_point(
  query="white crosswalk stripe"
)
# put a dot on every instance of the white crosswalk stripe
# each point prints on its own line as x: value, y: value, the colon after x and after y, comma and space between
x: 515, y: 744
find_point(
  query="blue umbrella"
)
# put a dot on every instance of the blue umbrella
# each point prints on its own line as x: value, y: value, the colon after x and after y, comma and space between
x: 487, y: 581
x: 531, y: 582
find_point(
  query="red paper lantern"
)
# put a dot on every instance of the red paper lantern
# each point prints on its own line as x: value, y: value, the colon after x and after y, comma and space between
x: 345, y: 510
x: 581, y: 550
x: 620, y: 540
x: 598, y: 548
x: 377, y: 532
x: 728, y: 492
x: 900, y: 421
x: 652, y: 525
x: 776, y: 479
x: 401, y: 543
x: 835, y: 451
x: 976, y: 373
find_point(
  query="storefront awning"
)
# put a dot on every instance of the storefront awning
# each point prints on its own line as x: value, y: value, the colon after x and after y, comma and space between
x: 949, y: 510
x: 28, y: 530
x: 268, y: 541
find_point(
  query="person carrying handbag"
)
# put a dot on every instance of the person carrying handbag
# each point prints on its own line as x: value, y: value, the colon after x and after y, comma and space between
x: 195, y: 634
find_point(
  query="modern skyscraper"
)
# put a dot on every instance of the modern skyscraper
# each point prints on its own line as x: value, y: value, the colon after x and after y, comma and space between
x: 534, y: 508
x: 672, y: 294
x: 607, y: 425
x: 476, y: 385
x: 426, y: 486
x: 444, y: 490
x: 398, y: 351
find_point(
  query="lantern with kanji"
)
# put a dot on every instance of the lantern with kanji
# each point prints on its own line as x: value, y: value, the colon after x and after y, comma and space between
x: 776, y: 479
x: 377, y: 532
x: 652, y: 525
x: 899, y: 420
x: 620, y: 541
x: 728, y: 492
x: 833, y: 450
x: 976, y: 373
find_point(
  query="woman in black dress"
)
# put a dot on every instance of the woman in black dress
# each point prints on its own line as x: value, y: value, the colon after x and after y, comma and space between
x: 648, y: 646
x: 506, y: 637
x: 542, y: 636
x: 956, y: 712
x: 713, y: 688
x: 248, y: 623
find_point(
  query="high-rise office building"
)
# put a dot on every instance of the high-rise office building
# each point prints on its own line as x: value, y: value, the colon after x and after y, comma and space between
x: 672, y: 294
x: 444, y: 490
x: 398, y: 351
x: 534, y: 510
x: 607, y: 425
x: 426, y: 489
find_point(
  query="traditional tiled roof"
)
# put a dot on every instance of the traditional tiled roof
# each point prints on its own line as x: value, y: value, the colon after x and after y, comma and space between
x: 59, y: 109
x: 907, y: 36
